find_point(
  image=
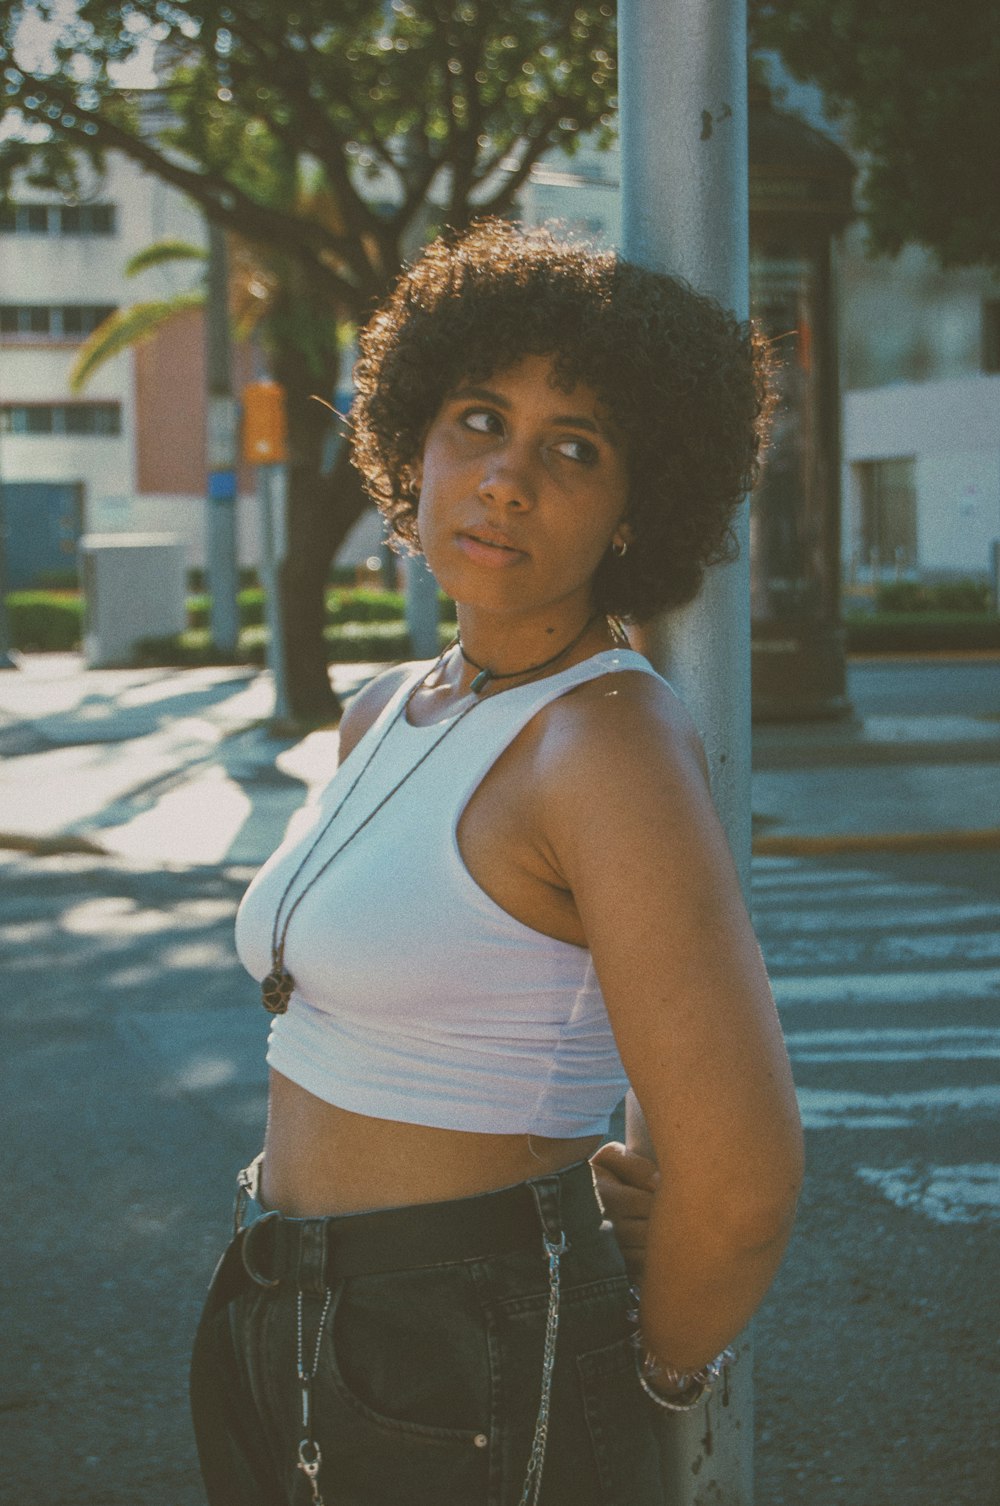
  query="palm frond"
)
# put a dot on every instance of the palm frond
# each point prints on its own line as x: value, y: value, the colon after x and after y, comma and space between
x: 163, y: 251
x: 126, y: 328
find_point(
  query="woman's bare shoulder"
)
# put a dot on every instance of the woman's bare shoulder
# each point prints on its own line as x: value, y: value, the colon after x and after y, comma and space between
x: 366, y: 706
x: 619, y: 723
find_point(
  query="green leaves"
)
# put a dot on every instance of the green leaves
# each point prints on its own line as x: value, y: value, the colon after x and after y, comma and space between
x: 387, y: 104
x: 917, y: 83
x: 161, y: 252
x: 126, y: 328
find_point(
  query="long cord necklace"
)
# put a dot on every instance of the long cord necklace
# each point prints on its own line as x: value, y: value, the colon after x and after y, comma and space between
x: 277, y: 988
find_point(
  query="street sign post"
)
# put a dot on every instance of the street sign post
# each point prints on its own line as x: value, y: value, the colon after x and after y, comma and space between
x: 265, y: 445
x: 220, y: 543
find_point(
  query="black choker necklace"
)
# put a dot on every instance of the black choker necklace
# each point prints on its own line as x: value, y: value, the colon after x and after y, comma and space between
x: 486, y: 676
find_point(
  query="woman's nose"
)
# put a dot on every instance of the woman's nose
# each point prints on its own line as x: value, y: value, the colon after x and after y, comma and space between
x: 507, y: 480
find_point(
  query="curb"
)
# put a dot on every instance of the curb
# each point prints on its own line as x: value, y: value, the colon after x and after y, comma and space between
x: 50, y: 847
x: 987, y: 839
x: 935, y: 655
x: 776, y: 846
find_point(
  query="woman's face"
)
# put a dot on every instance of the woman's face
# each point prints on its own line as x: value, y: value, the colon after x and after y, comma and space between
x: 523, y: 487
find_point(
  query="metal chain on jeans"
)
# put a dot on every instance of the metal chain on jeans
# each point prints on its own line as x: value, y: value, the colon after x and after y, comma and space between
x: 533, y: 1479
x: 310, y: 1457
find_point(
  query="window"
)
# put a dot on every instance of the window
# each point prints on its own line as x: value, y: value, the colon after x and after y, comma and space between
x: 66, y: 321
x: 61, y: 418
x: 991, y: 335
x: 57, y: 219
x: 887, y: 514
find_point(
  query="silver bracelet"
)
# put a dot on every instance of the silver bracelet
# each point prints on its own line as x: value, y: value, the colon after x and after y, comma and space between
x: 686, y: 1388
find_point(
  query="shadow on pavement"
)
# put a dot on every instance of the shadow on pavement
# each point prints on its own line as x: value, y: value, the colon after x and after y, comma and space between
x: 134, y: 1090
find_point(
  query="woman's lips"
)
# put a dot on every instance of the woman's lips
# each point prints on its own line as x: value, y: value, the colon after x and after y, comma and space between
x: 485, y: 552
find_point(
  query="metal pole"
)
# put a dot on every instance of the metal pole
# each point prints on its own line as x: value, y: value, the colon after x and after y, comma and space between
x: 422, y: 608
x: 223, y: 577
x: 685, y: 210
x: 271, y: 484
x: 6, y: 661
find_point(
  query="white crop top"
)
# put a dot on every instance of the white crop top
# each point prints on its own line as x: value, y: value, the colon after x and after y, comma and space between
x: 418, y: 998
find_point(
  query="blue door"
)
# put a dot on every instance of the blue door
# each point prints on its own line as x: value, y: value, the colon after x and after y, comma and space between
x: 42, y: 522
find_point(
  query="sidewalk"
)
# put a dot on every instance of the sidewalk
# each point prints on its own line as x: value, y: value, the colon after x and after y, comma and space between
x: 176, y: 767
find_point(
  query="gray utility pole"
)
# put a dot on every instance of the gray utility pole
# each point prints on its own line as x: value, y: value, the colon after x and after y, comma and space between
x: 272, y: 485
x: 220, y: 533
x: 6, y: 662
x: 684, y: 175
x: 423, y: 610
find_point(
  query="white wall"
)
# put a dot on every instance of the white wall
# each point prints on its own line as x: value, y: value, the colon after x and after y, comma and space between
x: 952, y: 431
x: 906, y: 319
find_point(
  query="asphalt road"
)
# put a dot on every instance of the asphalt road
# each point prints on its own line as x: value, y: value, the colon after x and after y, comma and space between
x: 134, y: 1090
x: 877, y: 1361
x: 939, y: 687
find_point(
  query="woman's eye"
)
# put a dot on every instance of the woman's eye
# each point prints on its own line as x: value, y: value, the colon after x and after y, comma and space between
x: 580, y: 450
x: 481, y: 421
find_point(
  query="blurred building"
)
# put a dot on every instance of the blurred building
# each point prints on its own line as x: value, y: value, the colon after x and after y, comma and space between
x: 127, y: 453
x: 920, y: 353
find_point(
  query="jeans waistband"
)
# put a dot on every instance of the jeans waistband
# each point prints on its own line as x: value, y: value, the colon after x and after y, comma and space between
x: 313, y: 1253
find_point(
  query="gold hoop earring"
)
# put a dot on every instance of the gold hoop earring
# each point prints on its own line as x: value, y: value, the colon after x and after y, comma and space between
x: 619, y: 548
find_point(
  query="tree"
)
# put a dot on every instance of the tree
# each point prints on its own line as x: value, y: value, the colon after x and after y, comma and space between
x: 918, y: 83
x: 330, y: 139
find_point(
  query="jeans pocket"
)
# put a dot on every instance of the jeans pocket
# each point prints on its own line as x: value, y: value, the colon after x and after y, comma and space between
x: 621, y: 1430
x: 408, y: 1354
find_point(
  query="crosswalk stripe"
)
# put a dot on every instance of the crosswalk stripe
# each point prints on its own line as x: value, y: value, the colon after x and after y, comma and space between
x: 955, y: 1044
x: 909, y: 987
x: 833, y: 1108
x: 865, y: 885
x: 867, y: 951
x: 910, y: 917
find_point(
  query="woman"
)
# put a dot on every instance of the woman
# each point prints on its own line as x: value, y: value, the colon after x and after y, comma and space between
x: 514, y: 901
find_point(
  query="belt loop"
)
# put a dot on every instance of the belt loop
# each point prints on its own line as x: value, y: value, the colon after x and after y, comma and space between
x: 311, y: 1273
x: 547, y: 1193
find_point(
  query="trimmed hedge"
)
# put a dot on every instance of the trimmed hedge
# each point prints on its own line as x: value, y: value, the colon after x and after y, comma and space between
x: 348, y: 605
x: 45, y: 621
x: 249, y: 608
x: 916, y: 632
x: 52, y: 621
x: 347, y: 643
x: 909, y: 596
x: 370, y: 625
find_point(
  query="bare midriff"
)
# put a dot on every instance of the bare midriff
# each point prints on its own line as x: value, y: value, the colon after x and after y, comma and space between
x: 320, y: 1159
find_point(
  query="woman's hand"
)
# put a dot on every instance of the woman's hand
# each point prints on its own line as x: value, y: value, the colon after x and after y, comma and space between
x: 625, y: 1183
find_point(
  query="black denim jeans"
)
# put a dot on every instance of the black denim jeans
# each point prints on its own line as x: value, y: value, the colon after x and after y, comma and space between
x: 428, y: 1375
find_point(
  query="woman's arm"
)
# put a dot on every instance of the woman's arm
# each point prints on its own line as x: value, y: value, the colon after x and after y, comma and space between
x: 629, y: 823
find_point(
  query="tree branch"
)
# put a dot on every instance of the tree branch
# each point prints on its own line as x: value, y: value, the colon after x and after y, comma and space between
x: 221, y: 199
x: 536, y: 146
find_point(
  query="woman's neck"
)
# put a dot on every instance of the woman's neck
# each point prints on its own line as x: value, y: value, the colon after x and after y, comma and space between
x: 493, y: 653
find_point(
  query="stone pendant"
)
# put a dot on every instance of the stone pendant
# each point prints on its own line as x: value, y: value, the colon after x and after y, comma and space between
x: 276, y: 990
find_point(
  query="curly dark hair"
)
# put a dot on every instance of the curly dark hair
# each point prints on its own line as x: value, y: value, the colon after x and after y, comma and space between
x: 683, y: 380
